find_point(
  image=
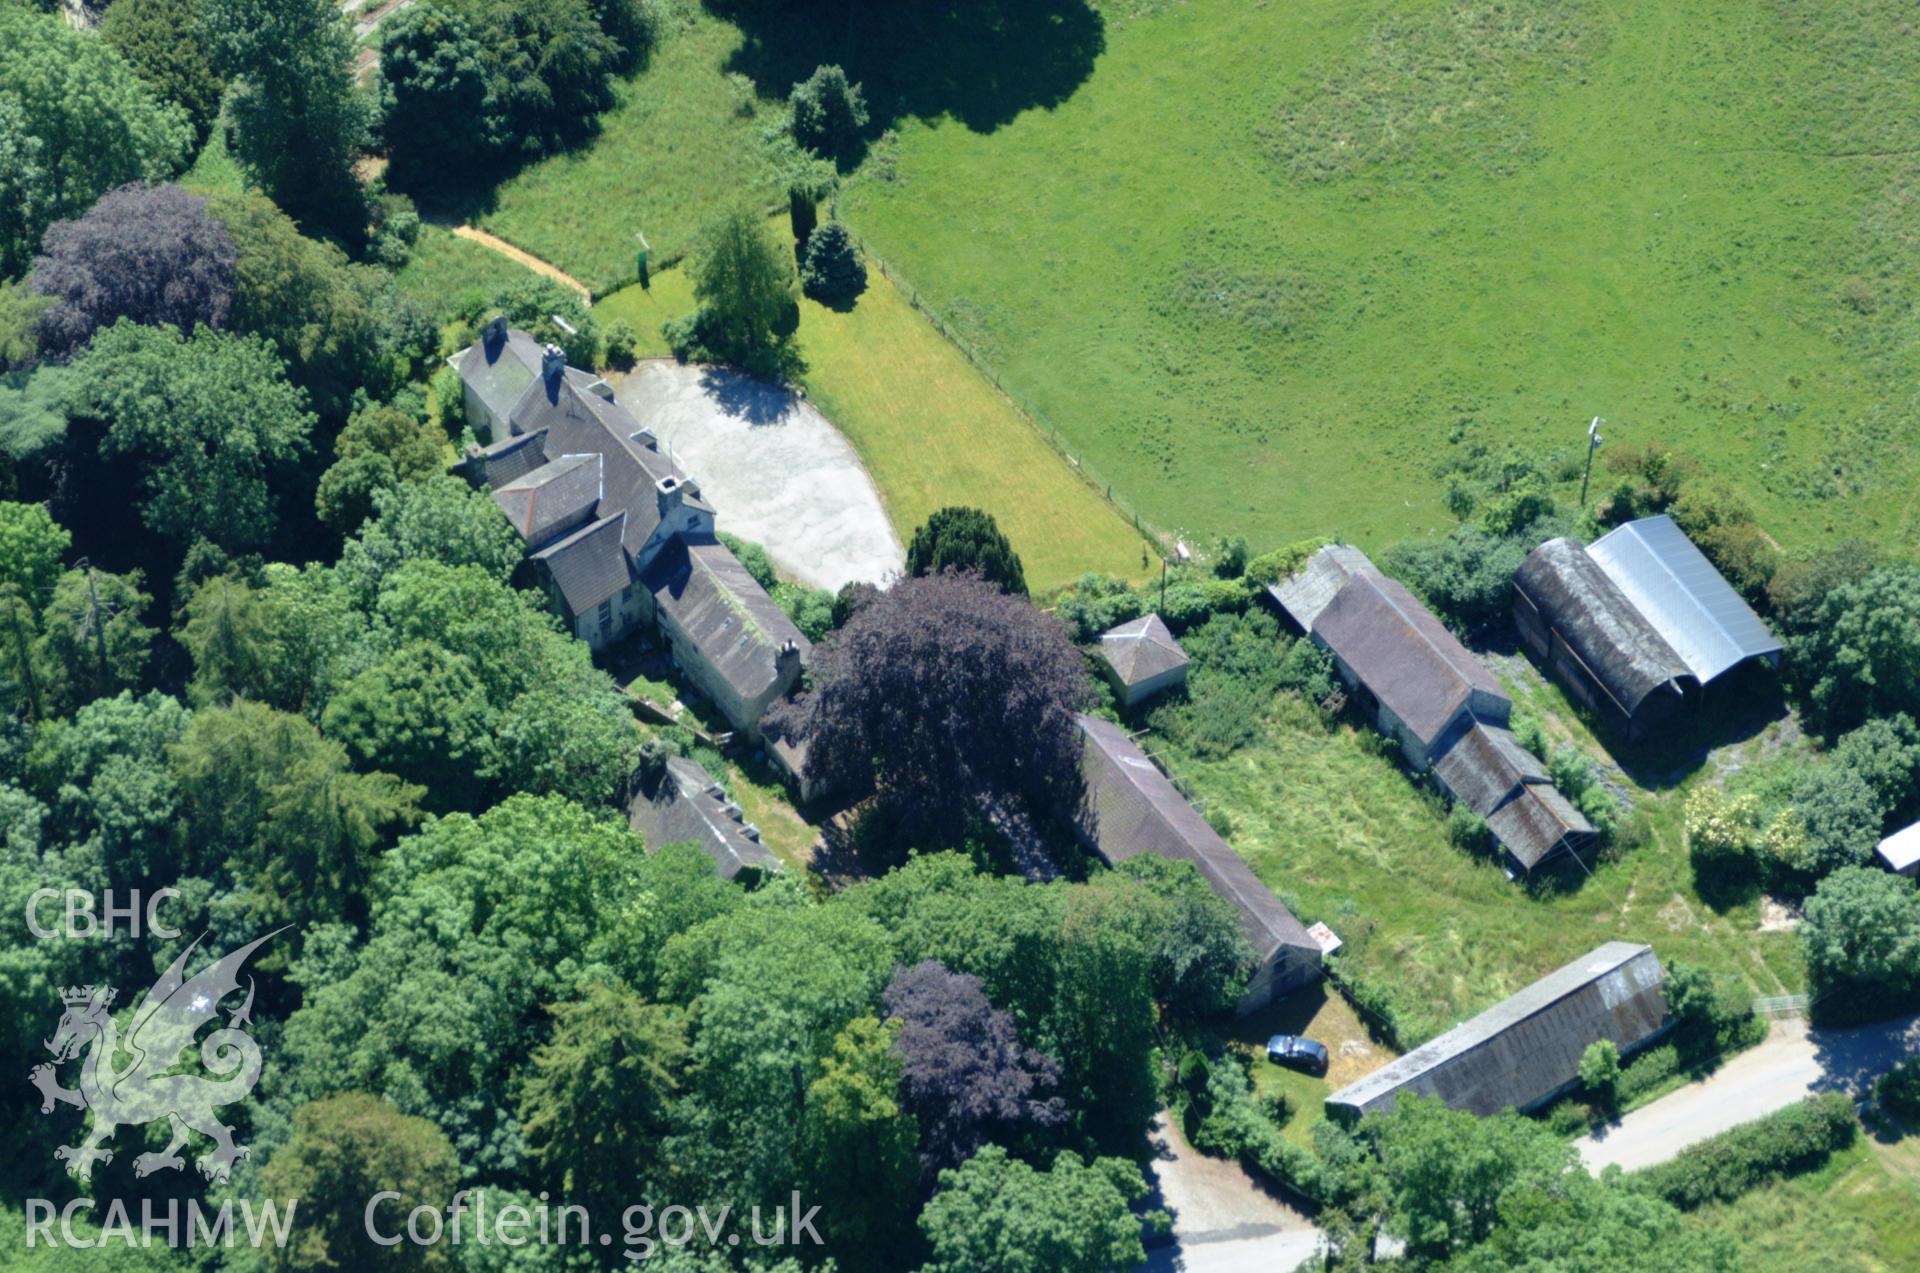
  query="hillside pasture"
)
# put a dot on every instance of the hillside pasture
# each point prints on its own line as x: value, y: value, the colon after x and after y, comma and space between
x: 1268, y: 261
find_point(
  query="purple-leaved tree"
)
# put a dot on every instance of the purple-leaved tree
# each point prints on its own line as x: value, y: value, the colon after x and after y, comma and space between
x: 150, y: 253
x: 965, y: 1075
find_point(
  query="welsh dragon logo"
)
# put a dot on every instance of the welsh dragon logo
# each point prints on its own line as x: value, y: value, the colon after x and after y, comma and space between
x: 133, y: 1081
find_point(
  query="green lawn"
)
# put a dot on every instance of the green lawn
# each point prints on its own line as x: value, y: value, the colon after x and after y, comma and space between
x: 1855, y: 1213
x: 672, y: 151
x: 1340, y: 831
x: 930, y: 429
x: 445, y: 267
x: 1267, y: 258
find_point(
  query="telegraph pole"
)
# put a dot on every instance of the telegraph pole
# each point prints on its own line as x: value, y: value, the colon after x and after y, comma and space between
x: 1593, y: 444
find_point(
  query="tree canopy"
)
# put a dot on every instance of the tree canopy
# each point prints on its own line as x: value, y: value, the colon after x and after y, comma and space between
x: 996, y: 1214
x: 299, y: 121
x: 966, y: 539
x: 946, y: 691
x: 154, y: 255
x: 75, y: 122
x: 211, y: 420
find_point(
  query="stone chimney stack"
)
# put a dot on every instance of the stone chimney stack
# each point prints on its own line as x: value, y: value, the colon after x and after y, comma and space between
x: 494, y: 334
x: 553, y: 365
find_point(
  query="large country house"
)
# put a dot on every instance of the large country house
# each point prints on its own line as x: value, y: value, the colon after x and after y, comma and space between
x: 614, y: 530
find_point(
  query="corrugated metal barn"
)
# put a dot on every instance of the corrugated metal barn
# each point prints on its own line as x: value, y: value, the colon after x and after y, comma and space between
x: 1636, y: 623
x: 1525, y: 1051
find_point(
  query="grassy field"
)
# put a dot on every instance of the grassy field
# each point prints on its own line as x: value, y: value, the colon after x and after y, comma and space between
x: 1268, y: 258
x: 1338, y: 829
x: 444, y: 267
x: 674, y: 149
x: 1855, y: 1213
x: 929, y: 428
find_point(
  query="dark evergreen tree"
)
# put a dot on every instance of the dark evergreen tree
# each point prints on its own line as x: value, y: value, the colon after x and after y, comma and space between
x: 832, y: 272
x: 966, y: 539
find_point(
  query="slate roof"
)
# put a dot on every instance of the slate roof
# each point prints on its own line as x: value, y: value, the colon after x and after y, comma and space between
x: 1537, y: 821
x: 1488, y: 770
x: 513, y: 457
x: 724, y: 611
x: 579, y: 422
x: 1524, y: 1050
x: 1131, y: 808
x: 499, y: 367
x: 1622, y: 650
x: 1688, y: 602
x: 1901, y: 850
x: 683, y: 808
x: 1485, y: 765
x: 1306, y: 592
x: 1403, y: 655
x: 1141, y: 649
x: 558, y: 493
x: 588, y: 566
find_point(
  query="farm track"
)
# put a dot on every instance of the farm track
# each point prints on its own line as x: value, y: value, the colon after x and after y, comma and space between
x: 497, y: 244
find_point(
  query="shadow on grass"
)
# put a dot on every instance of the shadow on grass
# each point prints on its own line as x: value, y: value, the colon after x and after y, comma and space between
x: 980, y: 63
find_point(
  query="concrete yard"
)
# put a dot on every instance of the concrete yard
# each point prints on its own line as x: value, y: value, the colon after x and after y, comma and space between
x: 774, y: 469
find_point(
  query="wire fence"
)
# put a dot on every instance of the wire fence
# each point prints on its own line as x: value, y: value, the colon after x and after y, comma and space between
x: 1035, y: 418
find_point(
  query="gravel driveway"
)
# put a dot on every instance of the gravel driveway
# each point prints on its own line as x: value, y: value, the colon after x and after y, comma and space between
x: 1223, y: 1220
x: 1793, y: 1062
x: 774, y: 469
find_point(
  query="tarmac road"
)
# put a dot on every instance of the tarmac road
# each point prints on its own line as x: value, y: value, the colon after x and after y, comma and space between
x: 1793, y: 1062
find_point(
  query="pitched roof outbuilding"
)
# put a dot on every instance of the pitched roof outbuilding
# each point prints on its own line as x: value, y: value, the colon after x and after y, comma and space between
x: 685, y: 807
x: 1141, y: 649
x: 1131, y: 808
x: 1403, y: 655
x: 1306, y: 592
x: 1525, y: 1050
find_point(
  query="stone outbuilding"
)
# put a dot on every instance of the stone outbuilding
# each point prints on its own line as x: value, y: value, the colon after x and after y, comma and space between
x: 1142, y: 659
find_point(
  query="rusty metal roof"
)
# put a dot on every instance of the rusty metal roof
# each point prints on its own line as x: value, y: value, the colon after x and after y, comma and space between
x: 1525, y: 1049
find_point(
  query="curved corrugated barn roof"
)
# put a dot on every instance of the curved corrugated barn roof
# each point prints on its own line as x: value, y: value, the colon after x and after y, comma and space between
x: 1688, y: 602
x: 1593, y: 616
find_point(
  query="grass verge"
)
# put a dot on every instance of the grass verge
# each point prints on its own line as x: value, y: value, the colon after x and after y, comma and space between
x: 929, y: 428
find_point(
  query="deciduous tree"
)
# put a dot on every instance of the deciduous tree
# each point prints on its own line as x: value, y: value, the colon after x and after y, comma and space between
x: 380, y: 449
x: 299, y: 121
x: 996, y: 1214
x: 152, y: 254
x: 344, y: 1150
x: 966, y: 1078
x: 947, y: 690
x: 211, y: 419
x: 75, y: 122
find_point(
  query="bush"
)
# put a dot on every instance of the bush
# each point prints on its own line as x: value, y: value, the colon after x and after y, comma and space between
x: 540, y: 306
x: 1095, y: 603
x: 1308, y: 670
x: 622, y: 343
x: 1645, y: 1072
x: 1236, y: 1127
x: 832, y: 273
x: 754, y: 558
x: 450, y: 400
x: 828, y: 112
x: 1722, y: 831
x: 1898, y: 1091
x: 1795, y: 1139
x: 1600, y: 1069
x: 1468, y: 831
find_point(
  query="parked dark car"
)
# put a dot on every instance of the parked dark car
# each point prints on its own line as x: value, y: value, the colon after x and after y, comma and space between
x: 1296, y: 1053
